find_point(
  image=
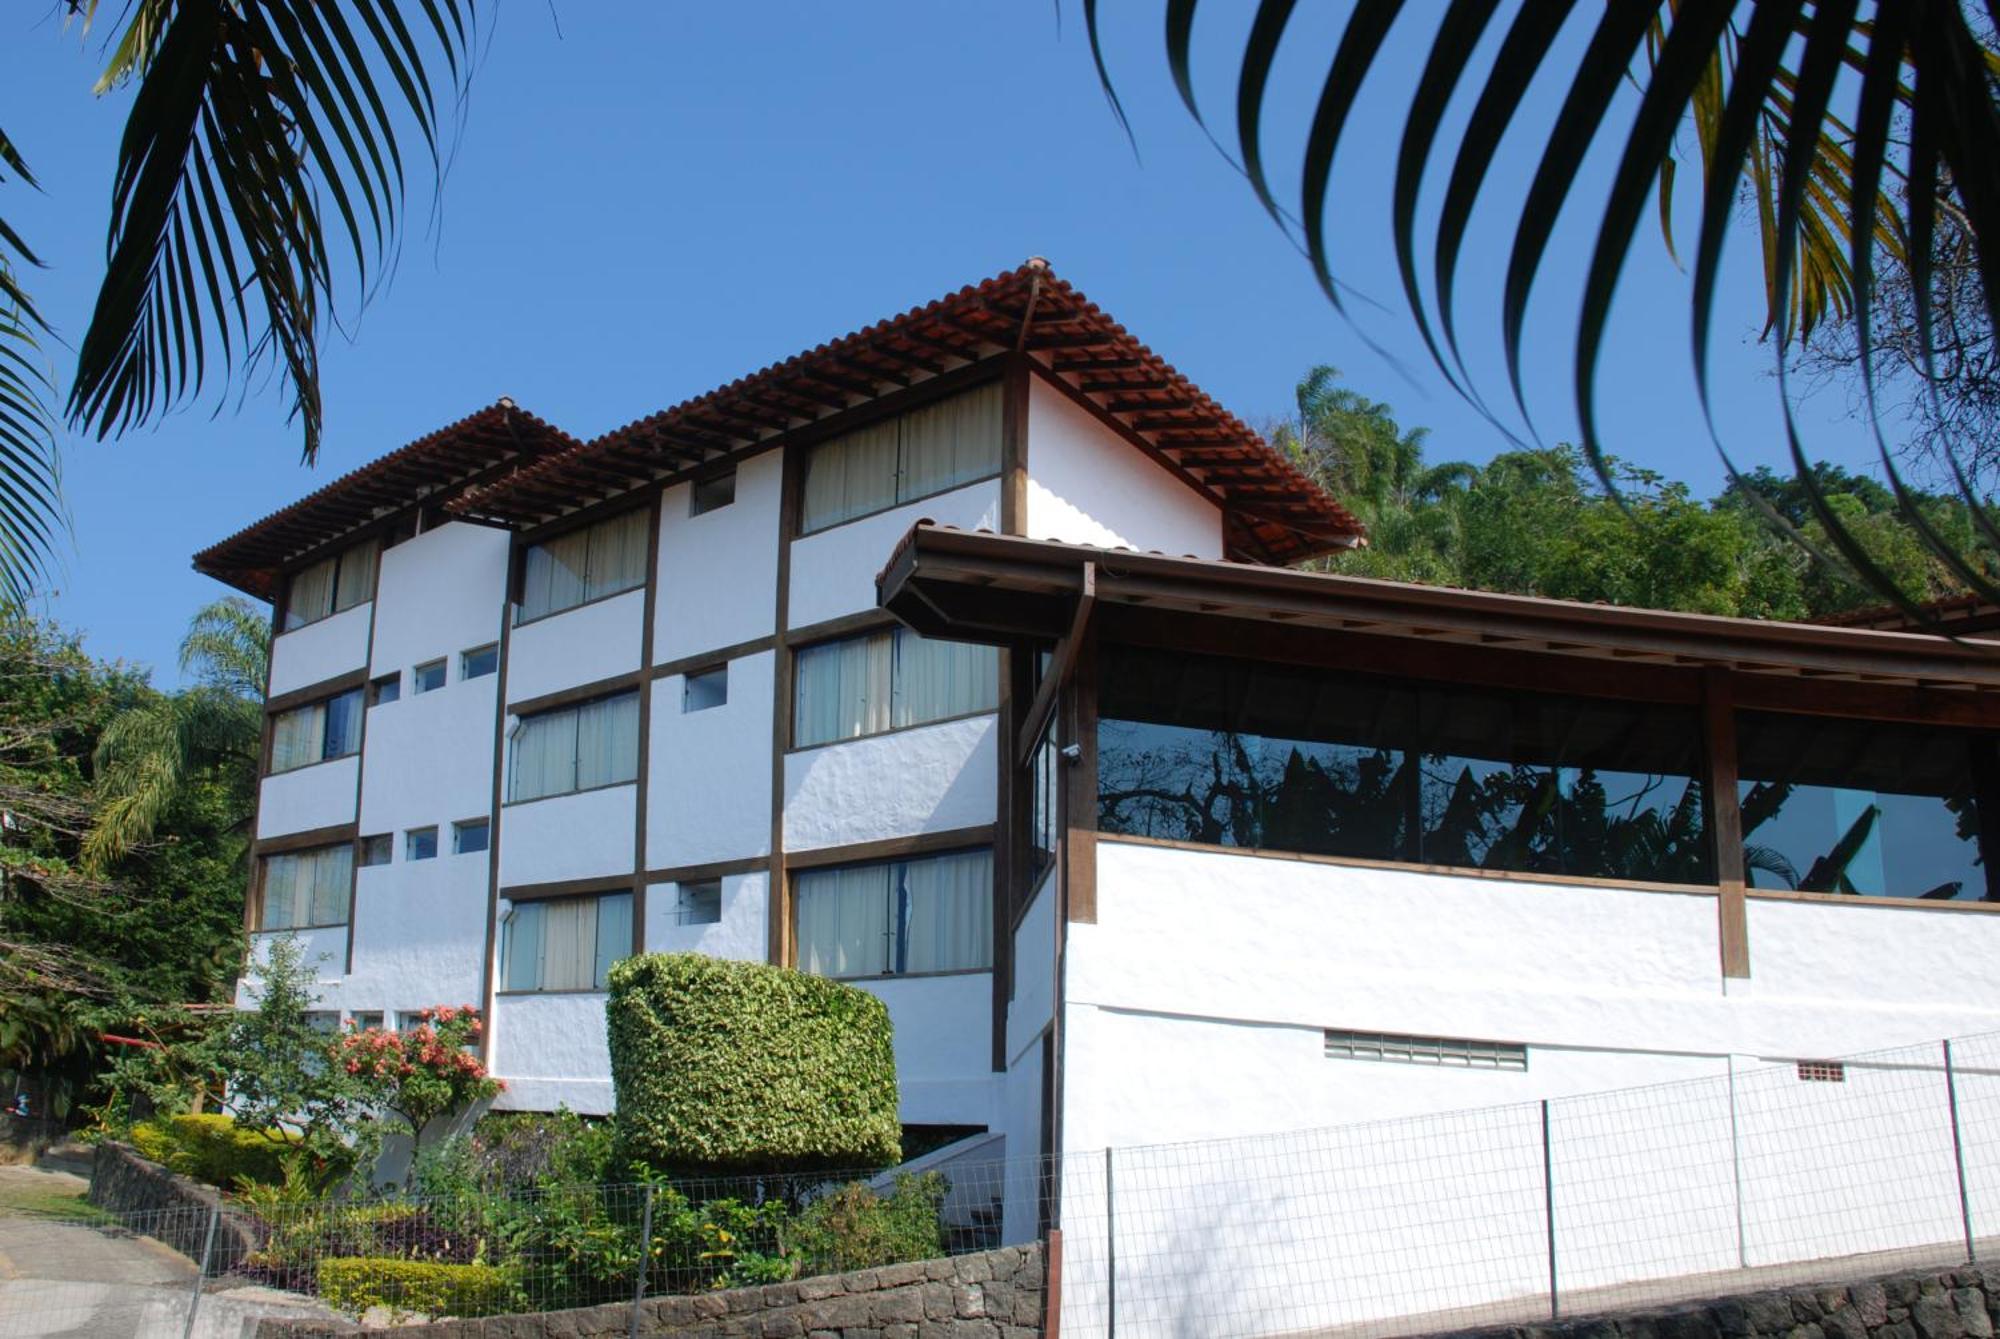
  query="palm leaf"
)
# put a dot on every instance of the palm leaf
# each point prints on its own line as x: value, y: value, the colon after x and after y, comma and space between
x: 1844, y: 173
x: 260, y: 180
x: 30, y: 493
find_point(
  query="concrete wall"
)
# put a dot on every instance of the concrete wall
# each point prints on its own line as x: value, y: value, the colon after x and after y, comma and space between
x: 719, y: 571
x: 943, y: 1030
x: 578, y: 646
x: 316, y: 796
x: 709, y: 798
x: 833, y: 571
x: 1088, y: 485
x: 320, y: 651
x: 579, y: 836
x: 743, y: 933
x: 552, y: 1051
x: 930, y: 778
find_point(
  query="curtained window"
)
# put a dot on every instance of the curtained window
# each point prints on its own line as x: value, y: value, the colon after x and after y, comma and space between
x: 303, y: 889
x: 887, y: 680
x: 575, y: 748
x: 584, y: 565
x: 926, y: 451
x: 316, y: 732
x: 565, y: 943
x: 331, y: 585
x: 933, y: 914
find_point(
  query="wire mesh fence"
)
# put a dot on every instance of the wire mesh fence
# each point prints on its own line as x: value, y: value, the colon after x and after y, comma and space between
x: 1750, y: 1177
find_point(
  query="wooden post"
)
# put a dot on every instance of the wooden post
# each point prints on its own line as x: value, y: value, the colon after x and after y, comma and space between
x: 1725, y: 822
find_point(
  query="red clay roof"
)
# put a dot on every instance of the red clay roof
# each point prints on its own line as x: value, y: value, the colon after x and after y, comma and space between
x: 426, y: 468
x: 1277, y: 514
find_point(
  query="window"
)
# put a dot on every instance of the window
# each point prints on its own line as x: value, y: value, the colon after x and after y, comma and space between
x: 427, y: 677
x: 575, y: 748
x: 584, y: 565
x: 1235, y: 753
x: 316, y: 732
x: 1044, y: 824
x: 377, y: 850
x: 304, y: 889
x: 385, y: 689
x: 420, y: 844
x: 933, y: 914
x: 708, y: 494
x: 929, y: 450
x: 698, y: 902
x: 1862, y: 807
x: 705, y: 688
x: 479, y: 662
x: 323, y: 1020
x: 362, y: 1021
x: 565, y: 943
x: 1822, y: 1071
x: 468, y: 836
x: 1444, y: 1052
x: 331, y: 585
x: 886, y: 680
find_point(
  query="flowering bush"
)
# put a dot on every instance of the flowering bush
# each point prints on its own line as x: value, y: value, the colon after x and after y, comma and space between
x: 426, y: 1072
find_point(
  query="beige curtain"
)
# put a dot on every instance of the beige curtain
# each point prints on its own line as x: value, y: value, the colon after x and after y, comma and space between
x: 934, y: 679
x: 544, y: 758
x: 356, y: 583
x: 614, y: 935
x: 521, y: 953
x: 569, y: 944
x: 843, y: 921
x: 607, y: 741
x: 617, y: 555
x: 309, y: 596
x: 850, y: 476
x: 947, y: 909
x: 552, y: 577
x: 950, y: 443
x: 297, y: 737
x: 844, y: 689
x: 333, y: 876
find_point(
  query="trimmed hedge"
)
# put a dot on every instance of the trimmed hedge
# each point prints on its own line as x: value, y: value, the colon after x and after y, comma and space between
x: 209, y: 1147
x: 738, y: 1066
x: 354, y: 1284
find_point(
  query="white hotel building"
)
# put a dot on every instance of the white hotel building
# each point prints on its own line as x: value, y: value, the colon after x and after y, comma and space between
x: 960, y: 658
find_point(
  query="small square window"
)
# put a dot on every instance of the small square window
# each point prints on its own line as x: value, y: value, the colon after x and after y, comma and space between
x: 385, y: 689
x: 420, y: 844
x: 323, y: 1020
x: 479, y: 662
x: 468, y: 836
x: 698, y: 903
x: 708, y: 494
x: 365, y: 1020
x: 427, y: 677
x: 705, y: 688
x: 376, y: 850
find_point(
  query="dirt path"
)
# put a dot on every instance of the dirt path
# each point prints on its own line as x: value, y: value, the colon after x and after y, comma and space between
x: 69, y: 1273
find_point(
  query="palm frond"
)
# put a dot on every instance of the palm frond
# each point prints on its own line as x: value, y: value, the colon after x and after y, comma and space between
x: 261, y: 171
x: 228, y: 647
x: 138, y: 763
x: 30, y: 491
x: 1845, y: 129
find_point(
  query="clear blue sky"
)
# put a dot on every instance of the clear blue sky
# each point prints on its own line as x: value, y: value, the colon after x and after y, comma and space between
x: 650, y: 199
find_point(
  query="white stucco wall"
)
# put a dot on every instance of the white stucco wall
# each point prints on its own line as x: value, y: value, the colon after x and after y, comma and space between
x: 551, y: 1051
x: 419, y: 933
x: 578, y: 646
x: 719, y: 571
x: 833, y: 571
x: 324, y: 950
x: 440, y: 593
x: 743, y: 933
x: 320, y: 651
x: 1029, y: 1012
x: 1087, y: 485
x: 307, y: 797
x: 576, y: 836
x: 943, y: 1029
x: 709, y: 795
x: 931, y: 778
x: 430, y: 759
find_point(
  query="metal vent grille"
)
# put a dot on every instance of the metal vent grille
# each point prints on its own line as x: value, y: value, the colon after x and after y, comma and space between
x: 1447, y: 1052
x: 1822, y: 1071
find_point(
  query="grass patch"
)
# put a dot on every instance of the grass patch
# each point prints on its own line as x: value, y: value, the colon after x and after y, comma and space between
x: 21, y: 1199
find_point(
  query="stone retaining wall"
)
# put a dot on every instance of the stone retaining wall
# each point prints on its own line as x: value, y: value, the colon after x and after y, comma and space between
x: 155, y: 1202
x: 1962, y: 1303
x: 992, y: 1295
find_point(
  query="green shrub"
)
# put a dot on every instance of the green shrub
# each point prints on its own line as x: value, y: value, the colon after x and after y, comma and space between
x: 417, y: 1287
x: 210, y: 1147
x: 737, y: 1066
x: 855, y: 1228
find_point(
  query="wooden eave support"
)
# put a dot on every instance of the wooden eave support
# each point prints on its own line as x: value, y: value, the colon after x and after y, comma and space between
x: 1061, y: 664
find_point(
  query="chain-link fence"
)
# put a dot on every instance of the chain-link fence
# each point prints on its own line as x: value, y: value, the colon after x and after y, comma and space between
x: 1756, y: 1176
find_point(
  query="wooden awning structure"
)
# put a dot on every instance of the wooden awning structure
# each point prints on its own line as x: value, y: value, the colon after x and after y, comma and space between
x: 1952, y: 616
x: 1276, y: 514
x: 496, y: 439
x: 979, y: 586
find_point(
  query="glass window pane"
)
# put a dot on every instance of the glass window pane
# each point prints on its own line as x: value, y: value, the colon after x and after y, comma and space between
x: 544, y: 756
x: 614, y: 934
x: 934, y: 680
x: 709, y: 494
x: 849, y: 476
x: 1863, y: 807
x: 950, y: 443
x: 522, y: 969
x: 427, y: 677
x: 617, y: 554
x: 420, y: 844
x: 843, y: 920
x: 356, y: 581
x: 385, y: 690
x: 552, y: 575
x: 478, y: 662
x: 281, y: 883
x: 607, y: 741
x: 377, y: 849
x: 843, y: 689
x: 569, y: 944
x: 343, y: 724
x: 333, y: 878
x: 297, y: 737
x: 469, y: 837
x: 946, y: 909
x: 698, y: 903
x: 705, y: 689
x: 309, y: 596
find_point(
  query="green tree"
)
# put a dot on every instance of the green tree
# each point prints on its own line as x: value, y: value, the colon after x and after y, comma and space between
x: 149, y: 757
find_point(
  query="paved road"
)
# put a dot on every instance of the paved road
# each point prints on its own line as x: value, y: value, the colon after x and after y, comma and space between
x: 67, y: 1280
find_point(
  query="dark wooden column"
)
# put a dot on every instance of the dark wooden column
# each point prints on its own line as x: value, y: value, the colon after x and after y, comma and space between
x: 1725, y: 821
